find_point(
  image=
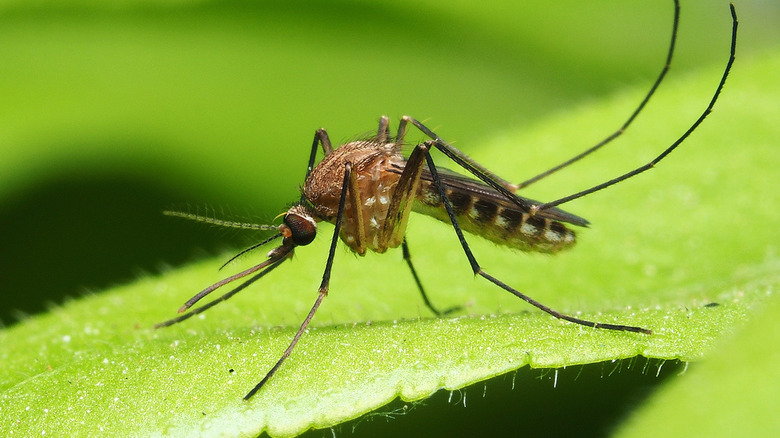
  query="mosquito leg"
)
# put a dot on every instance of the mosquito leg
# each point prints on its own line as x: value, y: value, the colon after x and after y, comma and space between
x: 323, y: 290
x: 400, y: 206
x: 397, y: 217
x: 289, y: 349
x: 630, y: 119
x: 470, y: 165
x: 478, y: 270
x: 674, y: 145
x: 437, y: 312
x: 337, y: 227
x: 356, y: 206
x: 383, y: 132
x: 320, y: 138
x: 505, y: 188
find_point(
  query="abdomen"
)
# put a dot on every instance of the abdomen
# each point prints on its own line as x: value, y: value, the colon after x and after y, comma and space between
x: 498, y: 222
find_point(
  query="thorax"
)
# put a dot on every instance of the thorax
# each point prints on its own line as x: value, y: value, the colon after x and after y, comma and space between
x: 371, y: 162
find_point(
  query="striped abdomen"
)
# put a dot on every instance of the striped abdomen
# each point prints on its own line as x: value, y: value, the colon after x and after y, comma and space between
x: 482, y: 211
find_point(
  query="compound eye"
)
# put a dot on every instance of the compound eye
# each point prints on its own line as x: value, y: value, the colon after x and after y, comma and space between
x: 303, y: 229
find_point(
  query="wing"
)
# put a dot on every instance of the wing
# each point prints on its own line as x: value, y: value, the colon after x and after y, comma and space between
x: 464, y: 183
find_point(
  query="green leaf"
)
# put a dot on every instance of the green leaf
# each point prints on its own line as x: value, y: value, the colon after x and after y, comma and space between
x: 699, y: 229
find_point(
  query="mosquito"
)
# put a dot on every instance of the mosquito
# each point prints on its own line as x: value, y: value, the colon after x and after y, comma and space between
x: 368, y: 189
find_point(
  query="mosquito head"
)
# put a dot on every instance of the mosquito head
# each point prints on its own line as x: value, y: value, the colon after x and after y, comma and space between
x: 299, y: 226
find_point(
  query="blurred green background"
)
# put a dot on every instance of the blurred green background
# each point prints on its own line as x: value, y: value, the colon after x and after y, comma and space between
x: 110, y: 113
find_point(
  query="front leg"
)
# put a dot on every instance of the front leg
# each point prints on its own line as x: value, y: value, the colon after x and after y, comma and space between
x: 323, y: 290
